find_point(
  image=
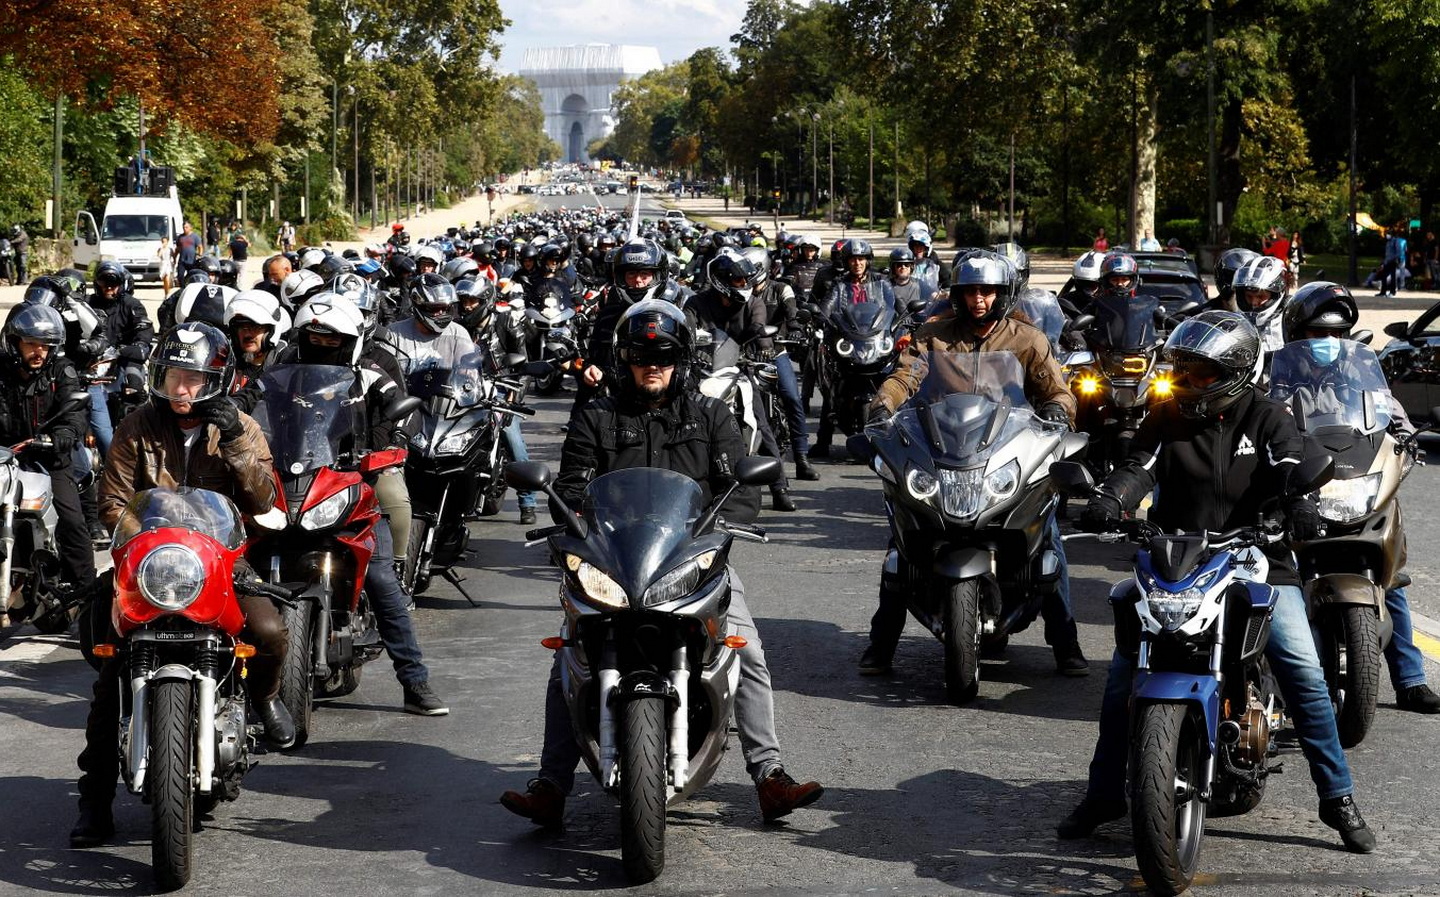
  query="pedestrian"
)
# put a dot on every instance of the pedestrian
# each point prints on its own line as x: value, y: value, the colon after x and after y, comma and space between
x: 1297, y: 256
x: 1148, y: 243
x: 1392, y: 269
x: 1278, y: 245
x: 239, y: 244
x: 187, y: 249
x: 1101, y: 244
x: 20, y: 242
x: 286, y: 237
x: 167, y: 265
x: 1432, y: 261
x: 212, y: 237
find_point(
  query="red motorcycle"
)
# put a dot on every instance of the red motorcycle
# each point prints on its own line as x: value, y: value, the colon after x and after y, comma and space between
x: 184, y: 741
x: 317, y: 542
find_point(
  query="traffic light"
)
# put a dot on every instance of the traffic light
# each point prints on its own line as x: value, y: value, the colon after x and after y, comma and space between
x: 775, y: 195
x: 634, y: 183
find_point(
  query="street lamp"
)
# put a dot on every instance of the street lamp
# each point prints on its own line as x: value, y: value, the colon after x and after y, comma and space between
x: 815, y: 165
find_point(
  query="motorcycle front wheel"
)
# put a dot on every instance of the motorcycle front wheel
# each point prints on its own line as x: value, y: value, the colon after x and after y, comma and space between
x: 1355, y: 682
x: 642, y: 788
x: 172, y: 808
x: 297, y: 676
x: 962, y: 641
x: 1166, y: 813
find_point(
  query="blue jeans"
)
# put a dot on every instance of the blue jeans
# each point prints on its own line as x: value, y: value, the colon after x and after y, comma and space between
x: 794, y: 408
x: 1407, y: 665
x: 391, y: 618
x: 100, y: 423
x: 1296, y: 666
x: 754, y: 707
x: 518, y: 452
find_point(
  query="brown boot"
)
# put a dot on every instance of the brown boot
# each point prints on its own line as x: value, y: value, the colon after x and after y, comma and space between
x: 542, y: 803
x: 779, y: 794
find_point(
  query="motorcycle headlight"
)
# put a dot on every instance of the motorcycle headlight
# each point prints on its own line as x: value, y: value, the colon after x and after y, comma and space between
x: 329, y: 512
x: 597, y: 584
x: 170, y: 577
x: 922, y: 484
x: 1346, y: 501
x: 681, y: 581
x: 1172, y: 609
x: 962, y: 492
x: 885, y: 344
x: 844, y: 348
x: 456, y: 443
x: 1002, y: 483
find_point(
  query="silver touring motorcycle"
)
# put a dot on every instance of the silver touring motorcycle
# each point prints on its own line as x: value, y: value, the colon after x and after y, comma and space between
x: 649, y: 665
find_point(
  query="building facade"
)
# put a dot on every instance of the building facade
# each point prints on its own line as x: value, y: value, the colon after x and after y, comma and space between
x: 576, y: 89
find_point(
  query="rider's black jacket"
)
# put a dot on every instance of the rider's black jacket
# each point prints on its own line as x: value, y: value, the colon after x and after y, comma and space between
x: 25, y: 404
x: 126, y: 324
x: 1213, y: 474
x: 742, y: 321
x: 692, y: 434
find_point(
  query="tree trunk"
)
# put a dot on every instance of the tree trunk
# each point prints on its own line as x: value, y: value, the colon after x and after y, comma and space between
x: 1142, y: 196
x: 1231, y: 177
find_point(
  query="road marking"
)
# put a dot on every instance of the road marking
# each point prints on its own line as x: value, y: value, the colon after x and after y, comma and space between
x: 1426, y: 633
x: 1428, y: 645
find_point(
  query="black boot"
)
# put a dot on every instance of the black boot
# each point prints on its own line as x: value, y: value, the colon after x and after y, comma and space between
x: 94, y: 827
x: 1090, y: 815
x: 780, y: 499
x: 804, y: 470
x: 1341, y: 814
x: 279, y: 726
x: 99, y: 536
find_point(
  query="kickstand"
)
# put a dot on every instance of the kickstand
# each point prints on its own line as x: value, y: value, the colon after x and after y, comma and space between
x: 455, y: 579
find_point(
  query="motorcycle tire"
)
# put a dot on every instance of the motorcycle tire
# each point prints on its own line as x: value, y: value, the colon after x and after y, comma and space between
x: 413, y: 584
x: 549, y: 384
x: 172, y: 804
x: 1356, y: 690
x: 962, y: 641
x: 297, y: 675
x: 642, y: 788
x: 1168, y: 826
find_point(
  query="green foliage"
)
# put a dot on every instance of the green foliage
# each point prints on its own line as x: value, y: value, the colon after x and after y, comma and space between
x: 25, y: 176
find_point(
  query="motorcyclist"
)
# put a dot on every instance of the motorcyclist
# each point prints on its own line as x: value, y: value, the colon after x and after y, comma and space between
x: 730, y: 306
x: 984, y: 294
x: 653, y: 420
x: 127, y: 328
x: 641, y: 271
x: 802, y: 269
x: 1260, y: 289
x: 1229, y: 261
x: 1119, y: 286
x: 929, y: 269
x: 1327, y: 311
x: 1213, y: 456
x: 1084, y: 283
x: 256, y: 324
x: 189, y: 434
x: 902, y: 280
x: 20, y: 242
x: 328, y: 330
x: 781, y: 312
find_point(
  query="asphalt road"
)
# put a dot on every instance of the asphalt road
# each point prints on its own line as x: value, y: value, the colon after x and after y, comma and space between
x: 921, y: 797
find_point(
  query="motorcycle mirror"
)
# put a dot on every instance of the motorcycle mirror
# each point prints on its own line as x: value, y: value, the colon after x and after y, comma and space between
x: 1398, y: 329
x: 1160, y: 314
x: 859, y: 446
x: 1311, y: 473
x: 757, y: 470
x: 72, y: 403
x: 704, y: 337
x: 1071, y: 478
x: 401, y: 408
x: 802, y: 315
x: 512, y: 361
x: 915, y: 306
x: 1363, y: 337
x: 535, y: 476
x: 1187, y: 309
x: 1081, y: 322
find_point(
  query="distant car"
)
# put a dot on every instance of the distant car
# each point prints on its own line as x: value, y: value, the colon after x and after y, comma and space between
x: 525, y: 188
x: 612, y: 186
x: 1411, y: 362
x: 1170, y: 277
x: 675, y: 216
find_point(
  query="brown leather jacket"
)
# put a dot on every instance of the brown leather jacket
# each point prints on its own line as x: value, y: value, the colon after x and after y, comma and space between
x: 1044, y: 381
x: 148, y: 452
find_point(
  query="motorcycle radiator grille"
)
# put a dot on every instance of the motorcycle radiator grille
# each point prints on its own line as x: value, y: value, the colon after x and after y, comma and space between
x: 1254, y: 631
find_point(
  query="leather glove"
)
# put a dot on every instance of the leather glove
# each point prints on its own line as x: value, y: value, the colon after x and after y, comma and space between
x: 90, y: 347
x: 1101, y: 515
x: 879, y: 414
x: 1304, y: 520
x: 1055, y: 413
x: 221, y: 412
x: 765, y: 355
x: 62, y: 442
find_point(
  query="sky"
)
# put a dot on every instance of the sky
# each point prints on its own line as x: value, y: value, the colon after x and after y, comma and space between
x: 676, y: 27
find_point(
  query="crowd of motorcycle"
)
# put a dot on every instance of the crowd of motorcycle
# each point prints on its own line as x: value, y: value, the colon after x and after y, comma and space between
x: 972, y: 477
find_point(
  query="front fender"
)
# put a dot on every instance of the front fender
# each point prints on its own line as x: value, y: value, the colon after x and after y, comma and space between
x: 176, y: 671
x: 1343, y: 588
x: 964, y: 562
x: 1180, y: 688
x: 643, y: 684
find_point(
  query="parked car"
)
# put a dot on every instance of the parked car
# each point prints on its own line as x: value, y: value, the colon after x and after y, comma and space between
x: 1170, y: 277
x: 1411, y: 362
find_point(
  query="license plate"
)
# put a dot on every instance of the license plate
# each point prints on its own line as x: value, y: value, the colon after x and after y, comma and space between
x: 172, y: 636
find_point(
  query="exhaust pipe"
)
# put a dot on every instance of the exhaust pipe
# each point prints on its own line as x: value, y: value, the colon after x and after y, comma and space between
x: 1229, y: 732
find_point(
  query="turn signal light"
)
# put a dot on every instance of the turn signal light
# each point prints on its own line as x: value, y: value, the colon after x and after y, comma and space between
x: 903, y: 343
x: 554, y: 643
x: 1088, y: 386
x: 1161, y: 387
x: 244, y: 651
x: 735, y: 642
x: 103, y: 651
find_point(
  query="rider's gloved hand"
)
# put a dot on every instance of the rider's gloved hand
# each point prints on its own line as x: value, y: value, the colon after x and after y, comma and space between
x: 1055, y: 413
x: 221, y: 412
x: 1304, y: 520
x: 1102, y: 514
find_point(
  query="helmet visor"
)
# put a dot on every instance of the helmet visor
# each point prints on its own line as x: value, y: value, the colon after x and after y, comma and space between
x: 178, y: 384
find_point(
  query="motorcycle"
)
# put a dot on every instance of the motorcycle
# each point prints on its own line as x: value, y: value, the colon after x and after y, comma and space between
x: 455, y: 463
x: 550, y: 339
x: 1195, y: 619
x: 8, y: 270
x: 1346, y: 407
x: 318, y: 539
x: 964, y: 466
x: 728, y: 377
x: 859, y: 351
x: 184, y: 728
x: 648, y: 664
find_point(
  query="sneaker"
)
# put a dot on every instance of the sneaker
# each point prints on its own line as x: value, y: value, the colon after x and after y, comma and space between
x: 95, y: 826
x: 780, y: 794
x: 421, y: 699
x: 1070, y: 660
x: 527, y: 516
x: 1418, y: 699
x: 1090, y: 815
x: 542, y: 803
x: 1341, y: 814
x: 873, y: 663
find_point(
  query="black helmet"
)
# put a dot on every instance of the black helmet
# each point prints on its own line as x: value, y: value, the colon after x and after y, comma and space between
x: 111, y: 275
x: 584, y: 243
x: 1019, y: 258
x: 332, y: 266
x: 192, y: 347
x: 985, y: 268
x: 74, y: 277
x: 1322, y: 306
x: 209, y: 264
x: 654, y: 332
x: 1119, y: 264
x: 640, y: 255
x: 483, y: 252
x: 527, y: 251
x: 229, y: 273
x: 476, y: 301
x: 1227, y: 264
x: 902, y: 256
x: 1221, y: 346
x: 733, y: 274
x: 48, y: 290
x: 35, y: 322
x: 433, y: 301
x: 853, y: 248
x: 552, y: 252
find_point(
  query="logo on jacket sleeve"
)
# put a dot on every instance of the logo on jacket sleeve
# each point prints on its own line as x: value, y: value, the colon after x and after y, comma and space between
x: 1246, y: 447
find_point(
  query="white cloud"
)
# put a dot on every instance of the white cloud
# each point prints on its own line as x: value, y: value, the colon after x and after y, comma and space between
x: 676, y: 27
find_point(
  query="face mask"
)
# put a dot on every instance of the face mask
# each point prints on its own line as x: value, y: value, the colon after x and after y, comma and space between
x: 1325, y: 351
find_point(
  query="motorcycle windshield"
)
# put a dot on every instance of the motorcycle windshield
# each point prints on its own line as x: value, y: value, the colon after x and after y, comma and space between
x: 200, y: 510
x: 1043, y: 310
x: 1125, y: 325
x: 312, y: 415
x: 449, y: 391
x: 1332, y: 383
x: 640, y: 518
x: 862, y: 320
x: 969, y: 405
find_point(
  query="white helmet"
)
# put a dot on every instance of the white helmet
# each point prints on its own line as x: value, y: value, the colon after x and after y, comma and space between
x: 432, y: 253
x: 299, y: 286
x: 1268, y: 275
x: 1087, y: 267
x: 258, y: 307
x: 312, y: 258
x: 916, y: 227
x: 203, y: 302
x: 329, y: 315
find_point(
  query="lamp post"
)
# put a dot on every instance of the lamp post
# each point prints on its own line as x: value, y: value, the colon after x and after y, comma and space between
x: 815, y: 164
x: 830, y: 191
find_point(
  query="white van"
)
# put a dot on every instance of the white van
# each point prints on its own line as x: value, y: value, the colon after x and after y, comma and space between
x: 129, y: 233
